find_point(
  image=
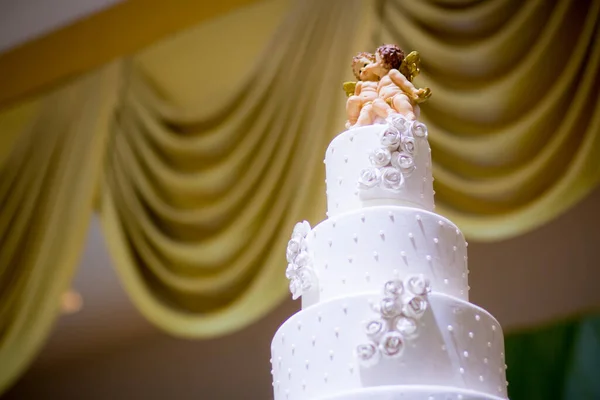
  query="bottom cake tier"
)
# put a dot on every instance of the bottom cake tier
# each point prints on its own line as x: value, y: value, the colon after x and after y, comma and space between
x: 316, y: 353
x: 412, y: 393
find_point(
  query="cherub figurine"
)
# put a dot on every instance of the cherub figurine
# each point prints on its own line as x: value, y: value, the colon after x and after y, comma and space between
x: 363, y: 93
x: 396, y: 93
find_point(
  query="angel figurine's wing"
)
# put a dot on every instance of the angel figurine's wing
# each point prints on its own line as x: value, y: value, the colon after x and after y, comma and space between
x: 411, y: 65
x: 349, y: 88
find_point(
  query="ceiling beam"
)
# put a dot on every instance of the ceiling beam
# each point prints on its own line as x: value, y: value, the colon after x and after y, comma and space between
x: 107, y: 35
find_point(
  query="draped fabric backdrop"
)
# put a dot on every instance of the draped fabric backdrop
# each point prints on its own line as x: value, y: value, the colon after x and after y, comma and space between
x: 515, y: 112
x: 197, y: 207
x: 52, y: 154
x: 197, y: 201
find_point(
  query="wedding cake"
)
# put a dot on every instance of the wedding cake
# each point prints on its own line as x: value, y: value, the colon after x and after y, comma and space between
x: 384, y: 279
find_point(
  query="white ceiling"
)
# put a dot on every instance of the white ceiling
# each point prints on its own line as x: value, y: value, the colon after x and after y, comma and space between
x: 23, y: 20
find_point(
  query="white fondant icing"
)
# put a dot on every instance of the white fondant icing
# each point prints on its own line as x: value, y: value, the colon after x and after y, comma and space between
x: 357, y: 155
x: 396, y: 323
x: 359, y: 251
x: 299, y: 270
x: 412, y: 393
x: 435, y: 357
x: 422, y: 339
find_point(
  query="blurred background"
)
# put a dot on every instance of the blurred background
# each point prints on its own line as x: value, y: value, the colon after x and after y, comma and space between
x: 154, y: 157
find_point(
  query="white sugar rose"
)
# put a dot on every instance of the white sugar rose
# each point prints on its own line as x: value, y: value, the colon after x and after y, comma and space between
x: 375, y: 329
x: 404, y: 162
x: 290, y: 271
x: 399, y: 122
x: 415, y: 307
x: 306, y: 279
x: 295, y: 287
x: 302, y: 259
x: 293, y: 249
x: 392, y: 344
x: 392, y: 178
x: 408, y: 145
x: 367, y: 354
x: 407, y: 327
x: 418, y: 129
x: 369, y: 177
x: 299, y: 270
x: 301, y: 229
x: 393, y: 288
x: 380, y: 157
x: 419, y: 285
x: 391, y: 138
x: 389, y: 308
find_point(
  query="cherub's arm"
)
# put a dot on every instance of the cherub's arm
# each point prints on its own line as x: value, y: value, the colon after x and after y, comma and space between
x: 358, y: 88
x: 404, y: 84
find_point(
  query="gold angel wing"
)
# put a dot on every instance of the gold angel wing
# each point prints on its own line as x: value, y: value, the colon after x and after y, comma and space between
x: 411, y: 65
x: 349, y: 88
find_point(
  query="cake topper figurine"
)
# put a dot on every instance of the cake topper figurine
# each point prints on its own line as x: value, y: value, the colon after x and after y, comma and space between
x: 384, y: 86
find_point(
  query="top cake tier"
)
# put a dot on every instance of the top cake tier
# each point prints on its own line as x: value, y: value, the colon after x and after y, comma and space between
x: 383, y: 164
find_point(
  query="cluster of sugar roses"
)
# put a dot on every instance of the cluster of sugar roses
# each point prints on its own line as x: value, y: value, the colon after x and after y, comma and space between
x: 394, y: 160
x: 299, y: 270
x: 404, y: 303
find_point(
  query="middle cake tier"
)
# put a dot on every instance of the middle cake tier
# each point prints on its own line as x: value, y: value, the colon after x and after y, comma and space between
x: 358, y: 251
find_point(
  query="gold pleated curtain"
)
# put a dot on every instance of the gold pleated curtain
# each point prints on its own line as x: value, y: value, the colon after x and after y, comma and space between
x: 514, y: 116
x: 197, y: 208
x: 52, y: 151
x: 197, y: 204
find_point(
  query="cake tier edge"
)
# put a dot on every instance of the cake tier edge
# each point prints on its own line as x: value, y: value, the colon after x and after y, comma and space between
x: 366, y: 149
x: 412, y: 393
x: 358, y: 251
x: 456, y: 344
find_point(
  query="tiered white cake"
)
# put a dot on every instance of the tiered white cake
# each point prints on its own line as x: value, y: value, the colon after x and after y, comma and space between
x: 383, y: 280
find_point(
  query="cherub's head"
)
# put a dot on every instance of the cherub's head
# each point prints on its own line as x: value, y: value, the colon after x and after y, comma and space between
x: 359, y: 64
x: 387, y: 57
